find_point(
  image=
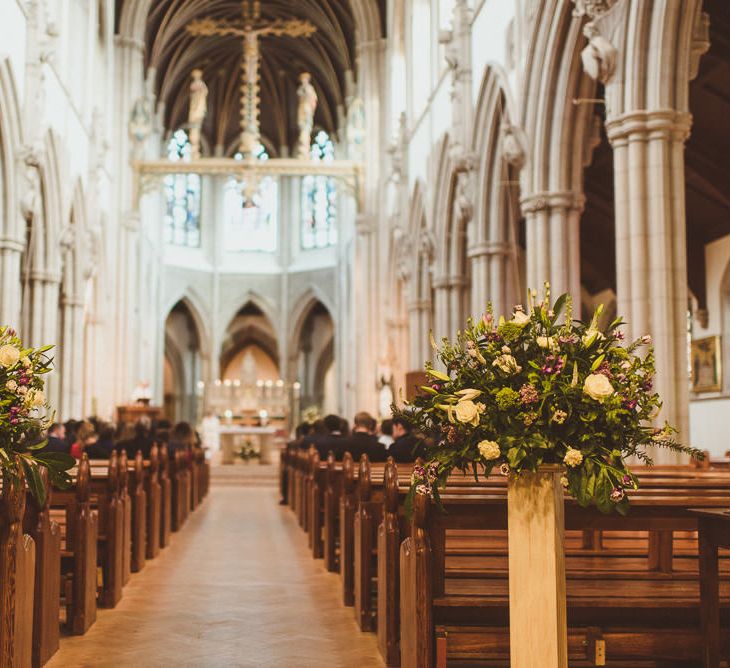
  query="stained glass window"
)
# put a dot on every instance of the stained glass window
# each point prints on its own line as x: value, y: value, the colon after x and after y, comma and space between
x: 182, y: 196
x: 250, y: 211
x: 319, y: 199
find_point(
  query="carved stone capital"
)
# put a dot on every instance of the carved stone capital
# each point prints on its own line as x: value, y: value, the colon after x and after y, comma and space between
x: 592, y: 8
x: 642, y: 125
x: 512, y: 144
x: 548, y: 201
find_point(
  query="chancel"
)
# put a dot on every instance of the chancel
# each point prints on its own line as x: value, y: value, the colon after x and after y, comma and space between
x: 364, y: 333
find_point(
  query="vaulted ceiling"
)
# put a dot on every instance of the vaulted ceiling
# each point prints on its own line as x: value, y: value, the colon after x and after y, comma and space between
x: 328, y: 55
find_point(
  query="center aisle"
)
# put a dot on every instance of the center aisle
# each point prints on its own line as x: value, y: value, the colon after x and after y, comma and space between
x: 237, y: 587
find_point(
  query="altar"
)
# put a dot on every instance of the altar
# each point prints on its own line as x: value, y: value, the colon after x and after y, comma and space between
x: 235, y: 436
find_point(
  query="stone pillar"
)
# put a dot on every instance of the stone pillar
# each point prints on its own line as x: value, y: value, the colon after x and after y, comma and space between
x: 10, y: 253
x: 491, y: 279
x: 367, y: 303
x: 441, y: 298
x: 651, y: 254
x: 457, y: 304
x: 552, y: 222
x: 419, y: 316
x: 69, y: 358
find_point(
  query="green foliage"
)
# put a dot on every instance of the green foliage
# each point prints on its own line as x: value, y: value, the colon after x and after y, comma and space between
x: 548, y: 390
x: 25, y: 416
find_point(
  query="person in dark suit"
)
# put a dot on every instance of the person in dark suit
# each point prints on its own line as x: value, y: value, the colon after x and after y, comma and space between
x: 333, y: 439
x: 406, y: 446
x: 363, y: 440
x: 57, y: 439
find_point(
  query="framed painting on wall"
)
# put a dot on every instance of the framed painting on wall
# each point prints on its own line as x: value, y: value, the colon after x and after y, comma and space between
x: 706, y: 365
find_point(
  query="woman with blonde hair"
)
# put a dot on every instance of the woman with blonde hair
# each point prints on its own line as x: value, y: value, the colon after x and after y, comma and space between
x: 84, y: 436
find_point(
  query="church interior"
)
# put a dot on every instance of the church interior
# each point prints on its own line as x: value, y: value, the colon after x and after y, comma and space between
x: 365, y: 333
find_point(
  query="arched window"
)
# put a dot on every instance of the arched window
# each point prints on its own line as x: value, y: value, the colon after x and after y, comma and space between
x: 182, y: 196
x: 319, y: 199
x: 251, y: 211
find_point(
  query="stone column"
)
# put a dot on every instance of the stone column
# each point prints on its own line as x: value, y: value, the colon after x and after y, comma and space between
x: 441, y: 295
x: 651, y: 254
x: 10, y: 253
x: 491, y: 280
x: 552, y: 222
x: 70, y: 353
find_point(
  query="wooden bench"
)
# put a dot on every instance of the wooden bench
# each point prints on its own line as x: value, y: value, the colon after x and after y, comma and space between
x: 79, y: 529
x: 105, y: 498
x: 440, y: 608
x: 47, y: 587
x: 17, y: 578
x: 165, y: 497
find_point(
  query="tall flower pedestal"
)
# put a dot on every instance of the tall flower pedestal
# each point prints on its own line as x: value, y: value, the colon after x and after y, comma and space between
x: 537, y: 605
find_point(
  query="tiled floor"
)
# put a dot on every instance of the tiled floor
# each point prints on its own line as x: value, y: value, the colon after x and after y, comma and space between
x: 237, y: 587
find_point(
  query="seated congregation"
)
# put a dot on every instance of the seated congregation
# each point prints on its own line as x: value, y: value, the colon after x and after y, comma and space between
x: 432, y: 583
x: 76, y: 549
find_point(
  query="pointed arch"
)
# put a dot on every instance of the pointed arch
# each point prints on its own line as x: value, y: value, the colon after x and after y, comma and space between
x: 494, y: 243
x: 200, y: 315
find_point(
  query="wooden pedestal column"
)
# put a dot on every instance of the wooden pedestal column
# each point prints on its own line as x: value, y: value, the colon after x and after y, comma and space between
x: 537, y: 605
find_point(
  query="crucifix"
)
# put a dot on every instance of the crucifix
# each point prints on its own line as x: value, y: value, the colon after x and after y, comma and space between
x: 250, y: 28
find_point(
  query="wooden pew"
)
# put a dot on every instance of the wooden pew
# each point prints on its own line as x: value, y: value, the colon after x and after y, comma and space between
x: 79, y: 552
x: 165, y: 497
x: 315, y: 505
x: 153, y: 494
x: 367, y: 518
x: 17, y: 578
x: 627, y: 607
x: 179, y: 491
x: 332, y: 494
x: 46, y: 535
x: 125, y: 502
x: 105, y: 498
x: 348, y: 505
x: 139, y: 513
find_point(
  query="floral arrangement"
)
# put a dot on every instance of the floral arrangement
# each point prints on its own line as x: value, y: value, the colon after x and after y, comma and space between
x: 247, y: 452
x: 538, y: 389
x: 24, y: 416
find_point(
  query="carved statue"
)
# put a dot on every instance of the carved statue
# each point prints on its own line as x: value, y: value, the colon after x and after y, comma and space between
x: 30, y: 201
x: 197, y: 111
x: 599, y: 57
x: 305, y: 114
x: 140, y: 125
x: 512, y: 145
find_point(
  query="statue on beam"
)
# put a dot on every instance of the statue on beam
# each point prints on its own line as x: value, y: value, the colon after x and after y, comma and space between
x: 197, y: 111
x: 305, y: 114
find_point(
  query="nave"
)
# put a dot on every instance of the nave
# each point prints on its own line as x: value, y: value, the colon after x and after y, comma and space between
x: 238, y: 587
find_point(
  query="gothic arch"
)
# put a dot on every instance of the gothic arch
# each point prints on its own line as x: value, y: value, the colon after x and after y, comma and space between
x: 500, y: 150
x: 258, y: 330
x: 304, y: 304
x: 258, y: 300
x: 200, y: 317
x: 557, y: 129
x: 12, y: 232
x: 11, y: 140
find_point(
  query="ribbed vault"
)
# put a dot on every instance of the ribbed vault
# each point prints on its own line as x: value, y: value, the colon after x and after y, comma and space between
x: 328, y: 56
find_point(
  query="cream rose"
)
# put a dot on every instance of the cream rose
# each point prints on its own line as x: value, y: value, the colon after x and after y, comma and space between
x: 489, y: 449
x: 36, y: 399
x: 598, y: 387
x: 573, y: 457
x: 466, y: 411
x: 9, y: 356
x: 547, y: 342
x: 520, y: 318
x: 11, y: 386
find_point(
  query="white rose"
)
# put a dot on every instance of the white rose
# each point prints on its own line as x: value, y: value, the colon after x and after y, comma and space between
x: 23, y: 390
x: 9, y: 356
x: 573, y: 457
x: 507, y: 364
x: 547, y: 342
x: 489, y: 449
x: 520, y: 318
x: 598, y: 387
x: 11, y: 386
x: 466, y: 411
x: 37, y: 399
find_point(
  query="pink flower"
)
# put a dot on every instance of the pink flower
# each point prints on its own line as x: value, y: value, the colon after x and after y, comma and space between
x: 529, y: 394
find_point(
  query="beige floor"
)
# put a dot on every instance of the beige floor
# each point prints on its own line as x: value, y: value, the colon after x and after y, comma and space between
x: 237, y: 587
